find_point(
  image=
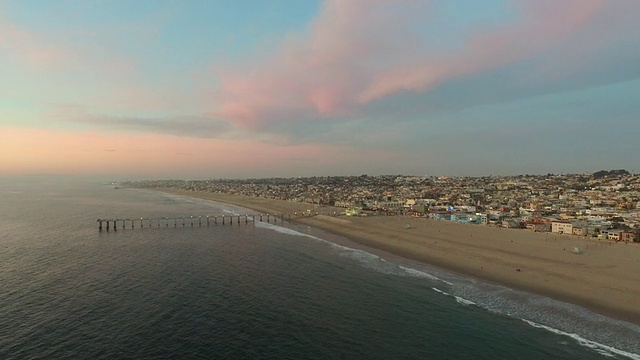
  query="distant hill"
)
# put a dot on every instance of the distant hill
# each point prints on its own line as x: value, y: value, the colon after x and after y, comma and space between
x: 604, y: 173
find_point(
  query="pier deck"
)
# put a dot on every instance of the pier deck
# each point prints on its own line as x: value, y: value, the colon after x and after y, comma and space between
x: 184, y: 221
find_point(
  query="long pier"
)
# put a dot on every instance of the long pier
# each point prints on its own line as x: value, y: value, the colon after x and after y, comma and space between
x: 184, y: 221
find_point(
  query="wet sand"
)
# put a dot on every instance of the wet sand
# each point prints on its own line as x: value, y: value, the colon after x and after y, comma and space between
x: 604, y: 278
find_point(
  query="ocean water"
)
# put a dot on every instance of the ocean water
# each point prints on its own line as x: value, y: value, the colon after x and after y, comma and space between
x: 256, y: 291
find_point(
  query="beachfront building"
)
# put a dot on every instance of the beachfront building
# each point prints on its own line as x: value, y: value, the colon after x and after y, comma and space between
x: 595, y: 228
x: 538, y: 227
x: 511, y: 224
x: 389, y: 205
x: 559, y: 227
x: 579, y: 230
x: 468, y: 218
x: 343, y: 204
x: 628, y: 236
x: 614, y: 235
x: 609, y: 234
x: 420, y: 208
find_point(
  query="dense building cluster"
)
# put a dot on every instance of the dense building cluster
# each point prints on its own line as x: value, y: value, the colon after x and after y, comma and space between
x: 605, y: 204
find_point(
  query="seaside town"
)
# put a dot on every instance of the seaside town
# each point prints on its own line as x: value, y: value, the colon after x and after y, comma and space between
x: 603, y: 205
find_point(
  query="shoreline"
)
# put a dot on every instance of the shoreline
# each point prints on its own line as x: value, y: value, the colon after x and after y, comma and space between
x: 605, y: 279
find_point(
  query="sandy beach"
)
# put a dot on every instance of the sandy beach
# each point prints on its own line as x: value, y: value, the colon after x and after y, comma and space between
x: 605, y: 278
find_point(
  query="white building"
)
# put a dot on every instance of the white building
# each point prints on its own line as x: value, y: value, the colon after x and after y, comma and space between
x: 561, y: 227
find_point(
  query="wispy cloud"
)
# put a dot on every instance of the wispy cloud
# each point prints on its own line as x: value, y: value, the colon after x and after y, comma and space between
x: 25, y: 46
x: 359, y: 86
x: 204, y: 126
x: 321, y: 72
x: 358, y: 52
x: 544, y: 24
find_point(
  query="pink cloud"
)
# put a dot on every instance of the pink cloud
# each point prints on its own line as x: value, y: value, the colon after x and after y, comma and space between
x: 96, y: 61
x: 85, y: 64
x: 545, y: 24
x: 28, y: 150
x: 41, y: 51
x: 356, y: 52
x: 322, y: 71
x: 25, y: 46
x: 120, y: 87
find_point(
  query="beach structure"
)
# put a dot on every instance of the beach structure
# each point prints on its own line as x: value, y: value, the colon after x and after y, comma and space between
x: 202, y: 220
x: 183, y: 221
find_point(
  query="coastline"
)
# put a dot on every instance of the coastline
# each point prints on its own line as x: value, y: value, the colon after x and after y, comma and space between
x: 604, y: 279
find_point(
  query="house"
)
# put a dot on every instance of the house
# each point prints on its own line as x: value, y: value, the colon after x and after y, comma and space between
x: 579, y: 231
x: 390, y: 205
x: 559, y: 227
x: 343, y: 204
x: 541, y: 227
x: 614, y: 235
x: 511, y: 224
x: 419, y: 208
x: 629, y: 236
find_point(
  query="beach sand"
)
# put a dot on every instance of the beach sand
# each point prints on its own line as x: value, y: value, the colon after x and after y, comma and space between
x: 605, y: 278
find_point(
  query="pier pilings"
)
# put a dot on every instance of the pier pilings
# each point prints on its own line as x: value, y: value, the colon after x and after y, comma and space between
x: 112, y: 224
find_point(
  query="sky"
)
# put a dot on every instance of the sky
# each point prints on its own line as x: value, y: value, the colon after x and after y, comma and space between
x: 197, y: 89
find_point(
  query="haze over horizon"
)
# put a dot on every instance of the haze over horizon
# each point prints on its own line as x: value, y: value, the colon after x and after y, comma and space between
x: 248, y: 89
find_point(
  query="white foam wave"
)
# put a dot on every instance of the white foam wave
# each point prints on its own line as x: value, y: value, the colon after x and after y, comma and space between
x: 440, y: 291
x: 602, y: 349
x: 284, y: 230
x: 459, y: 299
x: 464, y: 301
x: 422, y: 274
x: 483, y: 298
x: 381, y: 265
x: 365, y: 258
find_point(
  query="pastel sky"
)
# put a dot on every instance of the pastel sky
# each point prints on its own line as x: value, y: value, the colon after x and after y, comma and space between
x: 249, y: 88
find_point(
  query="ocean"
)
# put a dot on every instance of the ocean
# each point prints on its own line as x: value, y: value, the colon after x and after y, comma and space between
x: 255, y: 291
